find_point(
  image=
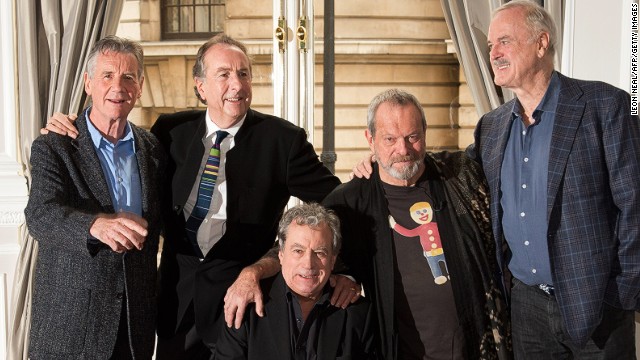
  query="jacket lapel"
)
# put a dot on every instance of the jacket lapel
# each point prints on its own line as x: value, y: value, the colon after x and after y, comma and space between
x: 567, y: 120
x: 249, y: 121
x: 277, y: 314
x: 498, y: 136
x: 147, y: 161
x: 89, y: 165
x: 328, y: 340
x: 187, y: 137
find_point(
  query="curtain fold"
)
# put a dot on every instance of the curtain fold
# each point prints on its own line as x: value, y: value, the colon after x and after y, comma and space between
x: 468, y: 23
x: 54, y: 38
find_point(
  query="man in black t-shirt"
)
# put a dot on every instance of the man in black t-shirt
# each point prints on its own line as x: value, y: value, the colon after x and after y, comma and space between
x: 417, y: 235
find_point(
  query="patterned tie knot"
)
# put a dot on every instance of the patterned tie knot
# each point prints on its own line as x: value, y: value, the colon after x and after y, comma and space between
x: 220, y: 135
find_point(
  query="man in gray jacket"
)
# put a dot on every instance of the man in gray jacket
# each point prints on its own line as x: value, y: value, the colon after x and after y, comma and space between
x: 94, y: 209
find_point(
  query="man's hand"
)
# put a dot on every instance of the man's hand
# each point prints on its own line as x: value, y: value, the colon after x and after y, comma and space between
x: 61, y: 124
x: 121, y: 232
x: 245, y: 290
x: 345, y: 291
x: 363, y: 168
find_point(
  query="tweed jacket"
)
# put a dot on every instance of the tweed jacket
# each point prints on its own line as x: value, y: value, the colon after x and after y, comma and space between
x: 270, y: 161
x: 344, y: 333
x: 79, y: 285
x: 593, y: 199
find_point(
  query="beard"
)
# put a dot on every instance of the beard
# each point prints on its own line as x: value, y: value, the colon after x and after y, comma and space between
x: 407, y: 171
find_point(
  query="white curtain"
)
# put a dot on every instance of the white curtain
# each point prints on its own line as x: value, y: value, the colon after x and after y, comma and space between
x: 54, y: 37
x: 468, y: 22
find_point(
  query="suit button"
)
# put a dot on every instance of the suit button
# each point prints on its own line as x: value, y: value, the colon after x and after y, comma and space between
x: 176, y: 208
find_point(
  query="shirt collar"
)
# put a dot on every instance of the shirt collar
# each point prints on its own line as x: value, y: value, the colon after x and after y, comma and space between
x: 212, y: 127
x: 97, y: 138
x: 322, y: 300
x: 549, y: 101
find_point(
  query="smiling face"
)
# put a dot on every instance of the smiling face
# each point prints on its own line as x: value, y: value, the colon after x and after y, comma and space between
x: 226, y: 86
x: 114, y: 87
x: 307, y: 259
x: 421, y: 212
x: 399, y: 143
x: 517, y: 55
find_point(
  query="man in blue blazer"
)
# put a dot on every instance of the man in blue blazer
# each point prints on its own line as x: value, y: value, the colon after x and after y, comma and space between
x: 563, y: 164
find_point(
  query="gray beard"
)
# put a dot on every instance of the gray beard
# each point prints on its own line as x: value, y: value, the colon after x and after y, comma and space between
x: 405, y: 173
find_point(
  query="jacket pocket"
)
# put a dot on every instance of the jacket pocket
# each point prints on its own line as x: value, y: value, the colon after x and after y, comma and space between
x: 59, y: 322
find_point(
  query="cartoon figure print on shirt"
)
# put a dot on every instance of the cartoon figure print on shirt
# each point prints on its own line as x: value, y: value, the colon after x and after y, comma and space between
x: 427, y: 230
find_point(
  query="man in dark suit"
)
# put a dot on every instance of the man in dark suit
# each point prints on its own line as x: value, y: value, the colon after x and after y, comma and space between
x: 299, y: 321
x: 94, y: 210
x: 562, y: 161
x: 263, y: 161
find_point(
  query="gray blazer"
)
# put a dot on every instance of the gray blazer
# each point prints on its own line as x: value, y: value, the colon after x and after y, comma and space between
x: 78, y: 286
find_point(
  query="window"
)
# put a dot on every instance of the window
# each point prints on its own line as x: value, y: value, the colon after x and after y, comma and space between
x: 192, y: 19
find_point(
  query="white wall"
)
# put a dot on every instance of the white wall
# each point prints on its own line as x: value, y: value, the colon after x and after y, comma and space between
x: 597, y: 41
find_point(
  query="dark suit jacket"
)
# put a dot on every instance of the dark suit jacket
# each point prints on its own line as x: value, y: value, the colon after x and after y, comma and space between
x: 593, y: 198
x: 78, y: 290
x: 270, y: 161
x: 344, y: 333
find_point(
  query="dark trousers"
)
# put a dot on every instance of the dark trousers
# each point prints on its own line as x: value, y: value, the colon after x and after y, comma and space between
x: 539, y: 332
x: 185, y: 343
x: 122, y: 349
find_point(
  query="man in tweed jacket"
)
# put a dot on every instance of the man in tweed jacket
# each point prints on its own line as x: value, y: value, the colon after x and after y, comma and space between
x: 94, y: 209
x: 563, y: 165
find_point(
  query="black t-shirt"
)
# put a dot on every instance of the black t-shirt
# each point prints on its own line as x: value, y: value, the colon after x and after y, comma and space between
x: 425, y: 310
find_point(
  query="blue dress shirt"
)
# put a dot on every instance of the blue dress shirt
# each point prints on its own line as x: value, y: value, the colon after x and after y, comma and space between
x: 524, y: 190
x: 120, y: 168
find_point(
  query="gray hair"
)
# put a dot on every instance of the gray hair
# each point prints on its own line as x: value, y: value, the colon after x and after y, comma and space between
x: 118, y: 45
x: 395, y: 97
x: 537, y: 20
x: 199, y: 68
x: 312, y: 215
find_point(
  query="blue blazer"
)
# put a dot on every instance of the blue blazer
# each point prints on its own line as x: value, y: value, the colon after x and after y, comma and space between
x: 593, y: 199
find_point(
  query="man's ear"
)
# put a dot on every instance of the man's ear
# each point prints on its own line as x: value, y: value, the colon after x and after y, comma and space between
x: 543, y: 44
x: 87, y: 83
x: 369, y: 137
x: 199, y: 84
x: 140, y: 84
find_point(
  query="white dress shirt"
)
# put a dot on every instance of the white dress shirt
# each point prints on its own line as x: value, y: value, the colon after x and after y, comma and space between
x: 214, y: 224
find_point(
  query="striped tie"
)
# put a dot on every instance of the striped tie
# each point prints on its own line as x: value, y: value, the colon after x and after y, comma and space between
x: 205, y: 192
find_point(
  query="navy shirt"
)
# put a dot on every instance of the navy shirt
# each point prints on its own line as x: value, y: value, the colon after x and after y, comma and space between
x: 304, y: 334
x: 524, y: 189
